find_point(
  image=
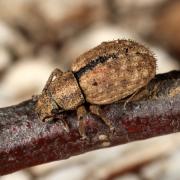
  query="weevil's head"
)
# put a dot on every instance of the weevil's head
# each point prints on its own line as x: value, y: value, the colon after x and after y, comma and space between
x: 61, y: 93
x: 45, y: 106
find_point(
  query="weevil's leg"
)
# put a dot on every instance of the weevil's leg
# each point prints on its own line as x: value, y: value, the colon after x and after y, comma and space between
x: 57, y: 72
x: 48, y: 119
x: 81, y: 113
x: 95, y: 109
x: 131, y: 97
x: 58, y: 110
x: 65, y: 125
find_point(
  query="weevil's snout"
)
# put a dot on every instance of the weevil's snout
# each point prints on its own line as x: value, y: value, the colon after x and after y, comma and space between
x: 44, y: 107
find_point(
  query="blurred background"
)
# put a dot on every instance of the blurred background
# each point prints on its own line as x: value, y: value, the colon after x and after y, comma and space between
x: 37, y: 36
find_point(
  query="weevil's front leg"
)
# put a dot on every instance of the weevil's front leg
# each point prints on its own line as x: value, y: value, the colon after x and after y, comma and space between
x: 55, y: 112
x: 95, y: 109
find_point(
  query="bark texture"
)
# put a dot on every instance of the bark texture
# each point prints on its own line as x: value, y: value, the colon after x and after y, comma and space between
x: 26, y: 141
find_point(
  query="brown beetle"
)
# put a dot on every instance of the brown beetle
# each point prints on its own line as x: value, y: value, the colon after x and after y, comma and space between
x: 105, y: 74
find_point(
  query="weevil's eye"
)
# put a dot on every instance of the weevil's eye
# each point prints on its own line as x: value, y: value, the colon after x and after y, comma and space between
x: 55, y: 108
x: 126, y: 50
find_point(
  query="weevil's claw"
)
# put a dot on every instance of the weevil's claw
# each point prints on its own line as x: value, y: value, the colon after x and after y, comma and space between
x: 65, y: 126
x: 48, y: 119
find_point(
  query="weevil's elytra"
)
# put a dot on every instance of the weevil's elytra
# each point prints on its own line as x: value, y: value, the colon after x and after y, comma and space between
x: 93, y: 64
x: 113, y: 70
x: 105, y: 74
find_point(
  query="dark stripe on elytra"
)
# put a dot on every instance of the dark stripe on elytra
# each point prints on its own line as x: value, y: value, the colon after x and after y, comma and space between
x: 93, y: 64
x: 84, y: 96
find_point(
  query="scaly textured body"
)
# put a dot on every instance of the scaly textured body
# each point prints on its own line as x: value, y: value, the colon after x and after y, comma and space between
x: 107, y: 73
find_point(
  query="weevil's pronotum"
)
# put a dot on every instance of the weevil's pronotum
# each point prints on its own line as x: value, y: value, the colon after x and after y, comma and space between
x: 105, y: 74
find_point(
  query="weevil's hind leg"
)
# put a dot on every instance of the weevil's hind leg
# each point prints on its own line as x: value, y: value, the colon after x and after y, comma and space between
x: 131, y: 97
x: 95, y: 109
x: 81, y: 113
x: 57, y: 72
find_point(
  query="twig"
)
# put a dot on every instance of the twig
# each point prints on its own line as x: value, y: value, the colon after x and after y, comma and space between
x: 26, y: 141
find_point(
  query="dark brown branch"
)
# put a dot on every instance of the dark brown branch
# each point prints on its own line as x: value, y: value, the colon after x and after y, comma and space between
x: 26, y: 141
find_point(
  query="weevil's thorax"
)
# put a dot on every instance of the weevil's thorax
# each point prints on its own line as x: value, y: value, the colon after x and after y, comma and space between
x: 61, y: 93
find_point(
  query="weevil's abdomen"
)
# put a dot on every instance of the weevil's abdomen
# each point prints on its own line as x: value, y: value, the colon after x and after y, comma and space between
x: 114, y: 70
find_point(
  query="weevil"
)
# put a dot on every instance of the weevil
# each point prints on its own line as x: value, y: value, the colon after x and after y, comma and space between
x: 105, y: 74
